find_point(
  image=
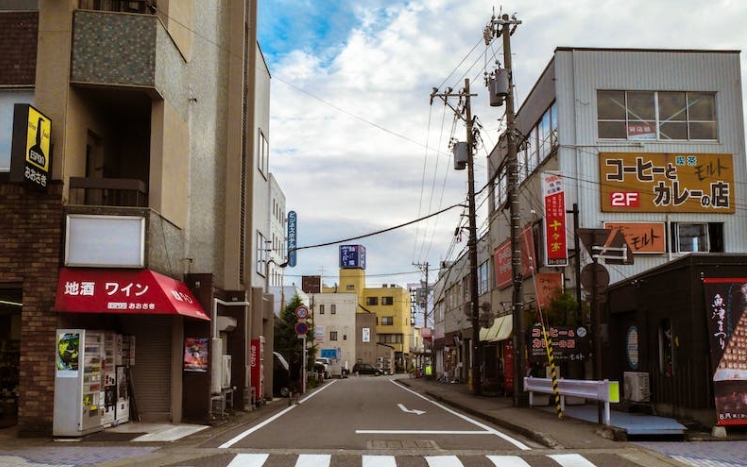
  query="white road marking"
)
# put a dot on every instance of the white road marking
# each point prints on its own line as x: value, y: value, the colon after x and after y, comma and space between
x: 379, y: 461
x: 405, y: 409
x: 313, y: 460
x: 443, y: 461
x: 485, y: 427
x: 422, y: 432
x: 571, y: 460
x: 508, y: 461
x: 251, y: 430
x: 248, y: 460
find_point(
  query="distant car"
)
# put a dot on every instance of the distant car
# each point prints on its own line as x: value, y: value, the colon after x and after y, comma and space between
x: 365, y: 369
x: 281, y: 376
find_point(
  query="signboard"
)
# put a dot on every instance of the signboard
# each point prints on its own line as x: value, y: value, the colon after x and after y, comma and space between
x: 302, y: 312
x: 30, y: 153
x: 549, y: 287
x: 302, y: 328
x: 667, y: 182
x: 556, y: 242
x: 569, y: 343
x: 727, y: 319
x: 502, y: 259
x: 196, y: 354
x: 352, y: 257
x: 292, y: 219
x: 642, y: 237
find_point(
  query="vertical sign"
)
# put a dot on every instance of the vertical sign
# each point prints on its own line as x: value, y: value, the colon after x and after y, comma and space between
x: 727, y: 320
x: 556, y: 243
x: 292, y: 239
x: 30, y: 149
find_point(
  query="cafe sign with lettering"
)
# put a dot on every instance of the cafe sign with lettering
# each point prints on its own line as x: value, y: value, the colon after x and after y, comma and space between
x: 666, y: 182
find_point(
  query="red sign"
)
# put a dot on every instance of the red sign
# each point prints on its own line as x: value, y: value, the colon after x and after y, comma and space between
x: 556, y: 246
x: 257, y: 367
x: 302, y: 312
x: 127, y: 291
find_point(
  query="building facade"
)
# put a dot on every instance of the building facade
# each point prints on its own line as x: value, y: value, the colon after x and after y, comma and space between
x: 143, y: 227
x: 628, y: 161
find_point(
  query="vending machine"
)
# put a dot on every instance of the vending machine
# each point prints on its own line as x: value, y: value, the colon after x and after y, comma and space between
x: 79, y: 383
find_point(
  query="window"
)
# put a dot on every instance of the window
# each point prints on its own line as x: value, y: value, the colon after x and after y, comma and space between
x: 390, y: 338
x: 697, y: 237
x: 261, y: 254
x: 483, y: 279
x: 263, y: 159
x: 321, y: 309
x: 387, y: 300
x: 372, y: 301
x: 333, y: 309
x: 387, y: 320
x: 333, y: 335
x: 657, y: 115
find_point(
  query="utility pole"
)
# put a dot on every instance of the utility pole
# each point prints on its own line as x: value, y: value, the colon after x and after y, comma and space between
x: 477, y: 348
x: 505, y: 27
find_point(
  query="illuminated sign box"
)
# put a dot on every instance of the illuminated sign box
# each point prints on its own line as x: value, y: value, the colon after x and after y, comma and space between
x: 30, y: 153
x: 352, y: 257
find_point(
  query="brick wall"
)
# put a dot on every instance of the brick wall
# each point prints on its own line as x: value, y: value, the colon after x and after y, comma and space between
x: 30, y: 245
x: 18, y: 47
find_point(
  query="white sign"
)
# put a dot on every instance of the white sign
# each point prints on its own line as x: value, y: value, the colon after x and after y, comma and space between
x: 366, y: 337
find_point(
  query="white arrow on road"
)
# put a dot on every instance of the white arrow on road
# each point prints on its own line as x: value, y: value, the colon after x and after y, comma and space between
x: 415, y: 411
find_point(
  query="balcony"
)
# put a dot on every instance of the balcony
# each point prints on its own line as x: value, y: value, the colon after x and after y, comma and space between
x: 121, y: 192
x: 121, y: 44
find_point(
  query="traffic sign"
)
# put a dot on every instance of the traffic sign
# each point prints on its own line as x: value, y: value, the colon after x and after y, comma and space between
x: 302, y: 312
x: 302, y: 328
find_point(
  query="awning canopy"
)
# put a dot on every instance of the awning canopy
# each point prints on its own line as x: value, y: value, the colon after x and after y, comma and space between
x: 500, y: 330
x: 126, y: 291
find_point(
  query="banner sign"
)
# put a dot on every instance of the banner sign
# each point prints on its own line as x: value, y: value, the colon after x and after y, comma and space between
x: 666, y: 182
x: 556, y: 242
x: 642, y: 237
x: 725, y: 304
x: 30, y: 153
x: 292, y: 239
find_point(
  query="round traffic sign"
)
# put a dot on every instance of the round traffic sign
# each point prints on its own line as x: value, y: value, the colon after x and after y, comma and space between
x: 302, y: 328
x: 302, y: 312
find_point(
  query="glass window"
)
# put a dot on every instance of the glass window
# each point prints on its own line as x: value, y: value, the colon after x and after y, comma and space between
x: 690, y: 238
x: 387, y: 320
x: 483, y: 279
x: 372, y: 301
x: 663, y: 115
x: 333, y: 335
x: 321, y: 309
x: 333, y: 309
x: 387, y: 300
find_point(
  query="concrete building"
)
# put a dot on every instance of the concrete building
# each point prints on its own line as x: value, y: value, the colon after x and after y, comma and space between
x: 151, y: 183
x: 333, y: 317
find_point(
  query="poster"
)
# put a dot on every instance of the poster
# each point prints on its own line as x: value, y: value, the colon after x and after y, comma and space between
x: 196, y: 354
x: 68, y: 354
x: 726, y: 299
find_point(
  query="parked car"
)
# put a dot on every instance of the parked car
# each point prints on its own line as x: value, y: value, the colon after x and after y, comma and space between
x: 281, y: 376
x: 365, y: 369
x: 326, y: 363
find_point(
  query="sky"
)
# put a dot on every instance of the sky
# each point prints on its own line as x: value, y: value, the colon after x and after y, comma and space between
x: 362, y: 152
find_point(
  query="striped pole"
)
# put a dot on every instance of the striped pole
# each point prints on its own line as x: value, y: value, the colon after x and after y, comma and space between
x: 553, y: 374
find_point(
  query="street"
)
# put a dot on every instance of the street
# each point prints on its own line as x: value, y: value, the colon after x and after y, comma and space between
x: 374, y: 421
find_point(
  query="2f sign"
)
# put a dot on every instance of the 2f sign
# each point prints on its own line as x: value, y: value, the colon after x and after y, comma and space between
x: 625, y: 199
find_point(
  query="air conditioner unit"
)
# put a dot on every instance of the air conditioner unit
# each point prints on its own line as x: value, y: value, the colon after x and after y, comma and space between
x: 636, y: 386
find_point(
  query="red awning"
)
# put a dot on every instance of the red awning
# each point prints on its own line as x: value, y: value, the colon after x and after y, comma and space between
x: 127, y: 291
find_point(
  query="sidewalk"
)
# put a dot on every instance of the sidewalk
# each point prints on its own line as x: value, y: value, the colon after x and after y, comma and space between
x: 579, y: 427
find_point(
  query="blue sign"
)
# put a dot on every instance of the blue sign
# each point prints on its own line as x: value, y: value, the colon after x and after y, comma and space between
x: 292, y: 239
x: 329, y: 353
x: 352, y: 257
x: 302, y: 328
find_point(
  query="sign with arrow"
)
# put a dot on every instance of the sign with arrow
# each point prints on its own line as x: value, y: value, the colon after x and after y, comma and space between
x: 406, y: 410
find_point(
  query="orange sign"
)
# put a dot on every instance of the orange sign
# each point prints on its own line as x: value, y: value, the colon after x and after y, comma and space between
x: 666, y: 182
x: 549, y: 287
x: 642, y: 237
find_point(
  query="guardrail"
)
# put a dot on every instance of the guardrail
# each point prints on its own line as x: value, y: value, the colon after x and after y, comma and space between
x: 605, y: 391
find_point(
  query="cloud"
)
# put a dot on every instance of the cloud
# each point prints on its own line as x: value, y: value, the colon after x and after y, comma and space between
x: 356, y: 143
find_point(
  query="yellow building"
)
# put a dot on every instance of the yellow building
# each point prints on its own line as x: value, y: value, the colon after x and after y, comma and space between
x: 390, y: 303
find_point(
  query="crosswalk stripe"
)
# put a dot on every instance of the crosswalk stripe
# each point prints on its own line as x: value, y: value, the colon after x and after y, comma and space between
x: 379, y: 461
x: 443, y: 461
x: 571, y: 460
x: 508, y: 461
x: 313, y: 460
x: 248, y: 460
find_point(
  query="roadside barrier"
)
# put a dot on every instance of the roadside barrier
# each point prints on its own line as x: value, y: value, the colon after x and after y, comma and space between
x: 604, y: 391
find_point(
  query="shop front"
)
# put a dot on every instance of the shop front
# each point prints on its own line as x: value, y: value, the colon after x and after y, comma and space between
x: 121, y: 348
